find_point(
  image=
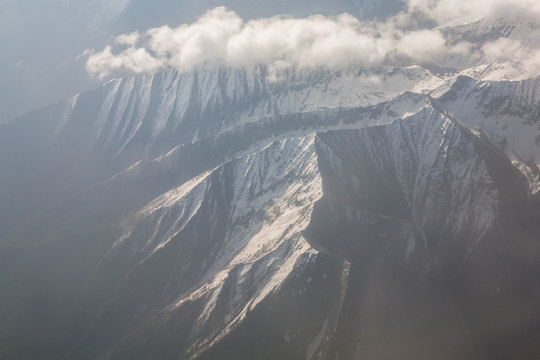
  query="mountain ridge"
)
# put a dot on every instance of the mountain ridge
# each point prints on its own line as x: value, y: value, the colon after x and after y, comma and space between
x: 314, y: 215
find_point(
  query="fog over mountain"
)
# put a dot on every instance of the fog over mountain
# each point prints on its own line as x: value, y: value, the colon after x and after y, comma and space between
x: 295, y: 180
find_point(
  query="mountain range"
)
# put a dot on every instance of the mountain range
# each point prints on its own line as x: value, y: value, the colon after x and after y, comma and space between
x: 220, y: 213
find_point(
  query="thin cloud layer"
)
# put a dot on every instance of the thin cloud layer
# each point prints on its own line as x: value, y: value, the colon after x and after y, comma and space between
x: 462, y: 11
x: 505, y: 49
x: 336, y: 42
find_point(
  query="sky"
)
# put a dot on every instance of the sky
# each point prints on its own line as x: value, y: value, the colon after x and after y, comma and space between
x: 53, y: 49
x: 40, y: 41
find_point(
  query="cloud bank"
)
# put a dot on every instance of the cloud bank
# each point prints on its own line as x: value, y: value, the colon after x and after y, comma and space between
x: 336, y: 42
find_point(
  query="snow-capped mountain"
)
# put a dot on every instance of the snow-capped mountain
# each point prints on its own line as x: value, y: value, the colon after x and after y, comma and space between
x: 228, y: 213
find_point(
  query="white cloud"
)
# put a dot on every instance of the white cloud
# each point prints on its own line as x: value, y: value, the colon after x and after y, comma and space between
x: 131, y: 60
x: 531, y: 65
x: 504, y: 49
x: 423, y: 45
x: 335, y: 42
x: 315, y: 41
x: 189, y: 45
x: 128, y: 39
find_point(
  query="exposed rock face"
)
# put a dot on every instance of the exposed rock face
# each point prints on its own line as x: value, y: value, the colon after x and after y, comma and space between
x: 217, y: 214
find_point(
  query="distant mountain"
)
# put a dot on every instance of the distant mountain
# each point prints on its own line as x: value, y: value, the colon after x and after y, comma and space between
x: 217, y: 214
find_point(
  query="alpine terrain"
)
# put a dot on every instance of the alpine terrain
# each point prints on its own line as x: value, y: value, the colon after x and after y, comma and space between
x: 389, y: 212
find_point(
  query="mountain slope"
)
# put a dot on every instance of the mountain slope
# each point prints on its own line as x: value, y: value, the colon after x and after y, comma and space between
x: 362, y: 214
